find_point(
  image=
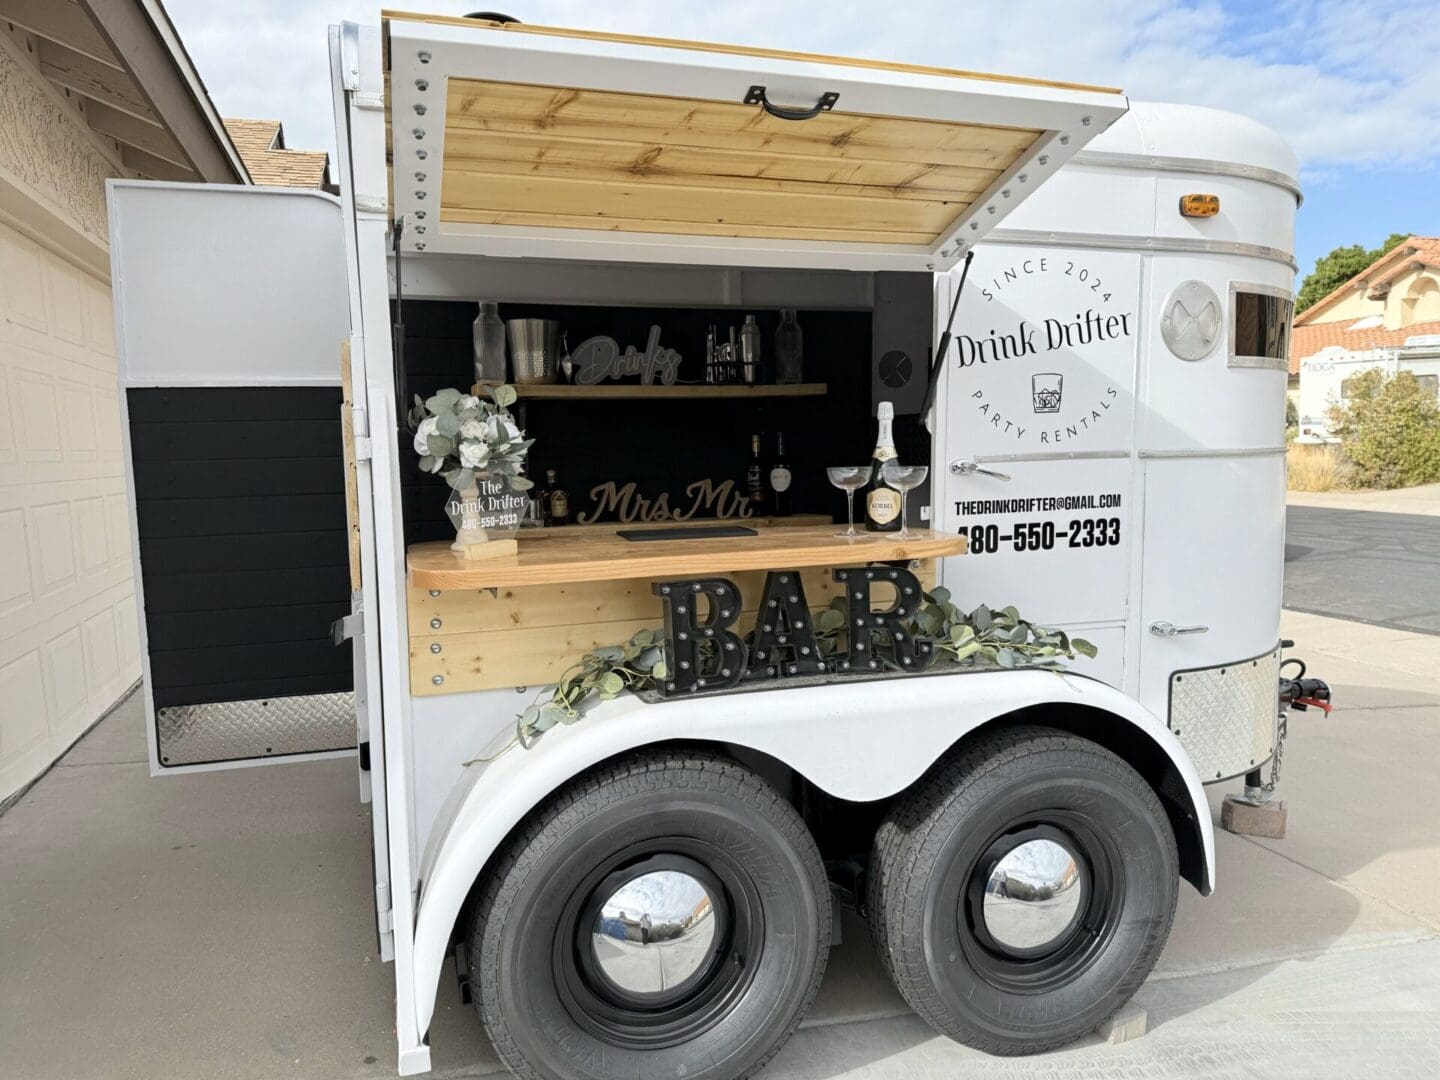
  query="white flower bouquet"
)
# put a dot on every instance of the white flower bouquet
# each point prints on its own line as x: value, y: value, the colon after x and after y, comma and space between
x: 461, y: 436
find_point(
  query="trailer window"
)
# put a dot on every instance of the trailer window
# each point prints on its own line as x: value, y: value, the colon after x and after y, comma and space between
x: 1260, y: 328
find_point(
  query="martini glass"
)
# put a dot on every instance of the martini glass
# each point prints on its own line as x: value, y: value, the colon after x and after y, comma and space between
x: 849, y: 479
x: 904, y: 479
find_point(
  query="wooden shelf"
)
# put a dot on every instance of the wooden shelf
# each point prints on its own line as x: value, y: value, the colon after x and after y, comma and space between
x: 621, y: 391
x: 604, y: 556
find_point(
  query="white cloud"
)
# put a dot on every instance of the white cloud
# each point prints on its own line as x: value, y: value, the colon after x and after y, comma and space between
x: 1348, y: 84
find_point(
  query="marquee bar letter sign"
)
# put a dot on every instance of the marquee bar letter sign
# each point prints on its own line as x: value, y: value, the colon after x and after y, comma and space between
x: 599, y: 358
x: 706, y: 655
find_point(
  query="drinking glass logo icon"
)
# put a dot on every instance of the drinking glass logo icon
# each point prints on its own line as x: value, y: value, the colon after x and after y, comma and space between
x: 1046, y: 388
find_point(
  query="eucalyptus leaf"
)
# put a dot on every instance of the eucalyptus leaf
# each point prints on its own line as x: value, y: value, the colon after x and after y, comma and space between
x: 980, y: 618
x: 504, y: 396
x: 967, y: 650
x: 649, y: 657
x: 659, y: 671
x: 1020, y: 634
x: 830, y: 619
x: 521, y: 483
x: 611, y: 653
x: 1006, y: 658
x: 1010, y: 613
x: 611, y: 683
x: 930, y: 620
x: 1083, y: 647
x: 427, y: 463
x: 448, y: 424
x: 439, y: 445
x: 460, y: 479
x: 643, y: 637
x: 939, y: 595
x: 443, y: 401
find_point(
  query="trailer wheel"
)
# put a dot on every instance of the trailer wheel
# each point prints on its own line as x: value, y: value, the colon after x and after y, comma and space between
x: 665, y: 916
x: 1023, y: 891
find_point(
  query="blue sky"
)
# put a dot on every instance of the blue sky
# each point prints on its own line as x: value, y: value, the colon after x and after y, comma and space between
x: 1354, y: 87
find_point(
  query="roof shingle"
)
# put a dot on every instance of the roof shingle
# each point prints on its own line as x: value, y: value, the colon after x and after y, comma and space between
x: 261, y: 144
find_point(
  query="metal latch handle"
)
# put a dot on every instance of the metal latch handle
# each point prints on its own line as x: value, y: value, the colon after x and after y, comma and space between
x: 756, y: 96
x: 965, y: 468
x: 1169, y: 629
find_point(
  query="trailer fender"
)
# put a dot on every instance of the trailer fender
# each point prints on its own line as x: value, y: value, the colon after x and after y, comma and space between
x: 859, y: 741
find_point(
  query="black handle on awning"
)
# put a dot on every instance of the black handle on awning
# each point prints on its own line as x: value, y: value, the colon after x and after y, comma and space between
x: 756, y: 96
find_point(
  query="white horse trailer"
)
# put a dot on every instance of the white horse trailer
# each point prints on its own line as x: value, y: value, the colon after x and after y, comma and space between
x: 1105, y: 448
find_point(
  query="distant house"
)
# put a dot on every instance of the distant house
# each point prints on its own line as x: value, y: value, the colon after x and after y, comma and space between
x: 1387, y: 316
x: 262, y: 147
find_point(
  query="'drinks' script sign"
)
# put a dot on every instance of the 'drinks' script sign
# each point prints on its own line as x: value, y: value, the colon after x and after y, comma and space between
x: 600, y: 358
x: 1046, y: 356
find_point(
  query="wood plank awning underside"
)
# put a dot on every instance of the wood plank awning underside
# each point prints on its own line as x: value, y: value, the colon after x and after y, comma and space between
x: 553, y: 156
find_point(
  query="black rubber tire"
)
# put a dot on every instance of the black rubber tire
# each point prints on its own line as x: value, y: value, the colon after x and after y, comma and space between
x: 638, y: 800
x: 929, y: 844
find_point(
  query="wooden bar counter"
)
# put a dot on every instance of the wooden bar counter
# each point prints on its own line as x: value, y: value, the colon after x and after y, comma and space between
x: 574, y: 589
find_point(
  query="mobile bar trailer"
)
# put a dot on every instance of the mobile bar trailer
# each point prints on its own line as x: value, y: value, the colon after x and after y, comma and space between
x: 649, y: 891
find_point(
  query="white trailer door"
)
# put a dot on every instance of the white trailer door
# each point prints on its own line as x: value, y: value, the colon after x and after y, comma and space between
x: 231, y: 310
x: 512, y: 139
x: 1034, y: 429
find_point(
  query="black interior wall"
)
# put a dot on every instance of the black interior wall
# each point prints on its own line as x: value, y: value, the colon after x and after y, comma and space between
x: 240, y: 505
x: 660, y: 445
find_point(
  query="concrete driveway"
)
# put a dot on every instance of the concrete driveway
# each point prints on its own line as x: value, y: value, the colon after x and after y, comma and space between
x: 219, y: 925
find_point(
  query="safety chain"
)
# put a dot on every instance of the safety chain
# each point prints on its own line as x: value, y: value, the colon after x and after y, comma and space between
x: 1281, y: 730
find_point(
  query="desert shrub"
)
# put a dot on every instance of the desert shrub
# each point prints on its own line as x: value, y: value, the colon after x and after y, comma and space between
x: 1316, y: 468
x: 1292, y: 419
x: 1390, y: 429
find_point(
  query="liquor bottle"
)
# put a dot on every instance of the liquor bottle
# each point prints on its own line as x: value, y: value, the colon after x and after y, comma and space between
x: 882, y: 502
x: 754, y: 479
x: 780, y: 478
x: 555, y: 501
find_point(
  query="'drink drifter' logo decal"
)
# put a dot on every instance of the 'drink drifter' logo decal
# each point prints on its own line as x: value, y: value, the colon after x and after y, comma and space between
x: 1035, y: 372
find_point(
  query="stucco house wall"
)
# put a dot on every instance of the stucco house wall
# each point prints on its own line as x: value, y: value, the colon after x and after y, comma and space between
x: 68, y: 623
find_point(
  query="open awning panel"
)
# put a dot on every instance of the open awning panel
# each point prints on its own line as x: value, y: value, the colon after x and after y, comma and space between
x: 518, y: 140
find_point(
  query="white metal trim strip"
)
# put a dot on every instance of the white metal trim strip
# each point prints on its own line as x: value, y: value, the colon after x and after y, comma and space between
x: 1208, y: 166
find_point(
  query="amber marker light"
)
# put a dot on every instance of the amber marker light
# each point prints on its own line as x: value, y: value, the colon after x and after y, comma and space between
x: 1199, y: 205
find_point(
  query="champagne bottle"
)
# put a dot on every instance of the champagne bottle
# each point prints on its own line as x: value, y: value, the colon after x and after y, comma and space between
x: 754, y: 479
x: 780, y: 478
x: 882, y: 502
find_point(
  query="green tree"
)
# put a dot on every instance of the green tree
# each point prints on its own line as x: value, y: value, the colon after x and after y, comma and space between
x: 1389, y: 427
x: 1338, y: 267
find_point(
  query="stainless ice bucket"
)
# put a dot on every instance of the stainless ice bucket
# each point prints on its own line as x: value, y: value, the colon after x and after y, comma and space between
x: 534, y: 349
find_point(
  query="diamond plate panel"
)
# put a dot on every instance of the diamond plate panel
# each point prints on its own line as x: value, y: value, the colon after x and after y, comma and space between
x: 1225, y: 716
x: 237, y: 730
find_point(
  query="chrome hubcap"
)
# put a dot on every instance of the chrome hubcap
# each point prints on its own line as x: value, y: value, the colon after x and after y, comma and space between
x: 655, y: 933
x: 1034, y: 896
